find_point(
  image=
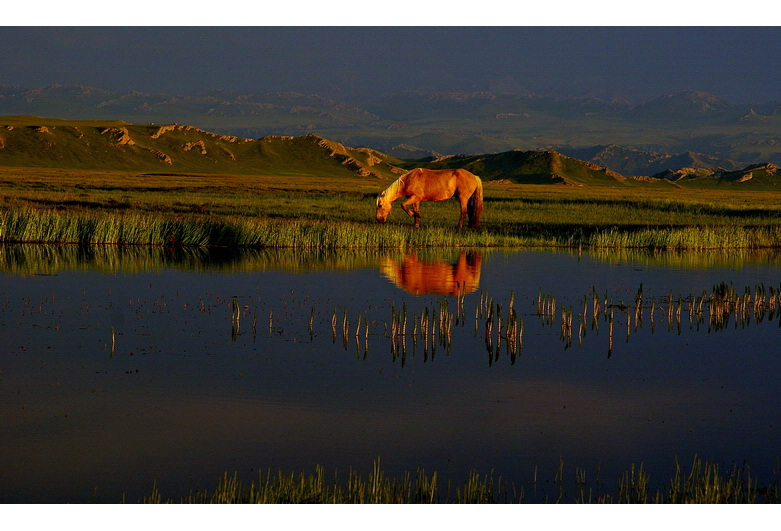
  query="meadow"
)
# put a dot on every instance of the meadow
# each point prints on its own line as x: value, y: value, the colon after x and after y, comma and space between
x: 257, y: 223
x: 39, y: 205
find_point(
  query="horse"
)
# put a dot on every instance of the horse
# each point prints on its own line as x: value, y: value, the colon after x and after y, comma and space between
x: 421, y: 184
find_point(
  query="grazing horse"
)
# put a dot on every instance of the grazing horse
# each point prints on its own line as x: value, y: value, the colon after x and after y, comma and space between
x: 434, y: 185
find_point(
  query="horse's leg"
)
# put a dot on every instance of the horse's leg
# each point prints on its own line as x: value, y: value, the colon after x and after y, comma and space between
x: 463, y: 202
x: 415, y: 202
x: 416, y: 210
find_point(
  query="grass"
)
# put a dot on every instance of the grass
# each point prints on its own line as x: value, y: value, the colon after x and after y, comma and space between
x: 126, y: 208
x: 704, y: 484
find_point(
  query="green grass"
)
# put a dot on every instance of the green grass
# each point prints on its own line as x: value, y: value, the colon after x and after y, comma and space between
x: 128, y: 208
x: 704, y: 484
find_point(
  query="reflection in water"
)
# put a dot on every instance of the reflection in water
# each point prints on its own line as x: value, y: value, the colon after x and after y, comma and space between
x: 175, y: 375
x: 45, y: 259
x: 436, y: 277
x: 719, y: 258
x: 724, y: 307
x: 37, y: 259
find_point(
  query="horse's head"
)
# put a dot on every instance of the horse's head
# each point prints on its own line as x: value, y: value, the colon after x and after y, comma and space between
x: 383, y: 207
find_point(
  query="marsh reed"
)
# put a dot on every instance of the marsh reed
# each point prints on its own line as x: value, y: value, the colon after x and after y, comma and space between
x: 704, y: 484
x: 722, y: 307
x: 29, y: 225
x: 436, y: 326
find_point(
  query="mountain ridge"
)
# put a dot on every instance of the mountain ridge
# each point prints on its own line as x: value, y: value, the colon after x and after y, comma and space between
x: 442, y: 122
x: 117, y: 145
x: 30, y: 141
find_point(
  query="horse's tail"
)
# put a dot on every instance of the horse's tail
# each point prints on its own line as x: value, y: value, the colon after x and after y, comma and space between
x: 475, y: 204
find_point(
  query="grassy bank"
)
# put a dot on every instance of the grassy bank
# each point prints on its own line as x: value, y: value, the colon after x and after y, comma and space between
x: 704, y: 483
x: 69, y: 206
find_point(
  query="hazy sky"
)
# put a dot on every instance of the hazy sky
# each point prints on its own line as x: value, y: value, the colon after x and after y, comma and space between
x: 355, y: 63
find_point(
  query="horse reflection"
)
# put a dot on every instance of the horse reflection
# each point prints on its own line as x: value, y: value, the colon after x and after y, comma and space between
x: 436, y: 277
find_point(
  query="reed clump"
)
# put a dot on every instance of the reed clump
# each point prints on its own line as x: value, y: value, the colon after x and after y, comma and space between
x: 27, y: 225
x: 704, y: 484
x: 500, y: 327
x: 728, y: 236
x: 718, y: 310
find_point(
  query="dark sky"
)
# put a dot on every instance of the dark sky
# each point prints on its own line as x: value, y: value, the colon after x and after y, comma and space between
x: 355, y: 63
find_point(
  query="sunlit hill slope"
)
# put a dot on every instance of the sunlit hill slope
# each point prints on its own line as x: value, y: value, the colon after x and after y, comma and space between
x: 33, y: 142
x: 38, y: 142
x: 532, y: 167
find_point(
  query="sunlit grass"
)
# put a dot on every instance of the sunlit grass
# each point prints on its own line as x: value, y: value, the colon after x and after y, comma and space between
x: 68, y: 206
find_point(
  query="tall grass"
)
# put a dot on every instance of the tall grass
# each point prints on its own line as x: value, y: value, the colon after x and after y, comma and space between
x: 44, y: 226
x: 704, y: 484
x: 687, y: 238
x: 58, y: 206
x: 27, y: 225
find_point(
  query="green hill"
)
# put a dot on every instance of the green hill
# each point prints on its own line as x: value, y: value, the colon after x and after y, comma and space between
x: 28, y: 141
x: 532, y: 167
x: 33, y: 142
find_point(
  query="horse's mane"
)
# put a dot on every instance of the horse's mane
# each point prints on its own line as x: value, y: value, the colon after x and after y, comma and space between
x: 393, y: 189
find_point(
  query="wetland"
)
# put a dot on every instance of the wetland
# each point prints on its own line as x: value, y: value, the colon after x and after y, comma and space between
x: 552, y: 371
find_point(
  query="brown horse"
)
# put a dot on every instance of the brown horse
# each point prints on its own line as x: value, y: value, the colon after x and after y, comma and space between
x: 434, y: 185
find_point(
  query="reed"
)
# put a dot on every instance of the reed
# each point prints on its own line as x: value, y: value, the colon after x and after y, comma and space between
x: 704, y: 484
x: 503, y: 327
x: 235, y: 318
x: 113, y: 342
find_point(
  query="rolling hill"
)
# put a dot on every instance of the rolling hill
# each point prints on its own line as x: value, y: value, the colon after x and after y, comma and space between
x: 29, y: 141
x: 33, y: 142
x: 531, y: 167
x: 687, y: 123
x: 628, y: 161
x: 756, y: 176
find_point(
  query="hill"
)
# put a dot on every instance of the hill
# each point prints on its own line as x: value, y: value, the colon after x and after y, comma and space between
x: 33, y: 142
x: 756, y: 177
x: 629, y: 161
x: 687, y: 122
x: 531, y: 167
x: 29, y: 141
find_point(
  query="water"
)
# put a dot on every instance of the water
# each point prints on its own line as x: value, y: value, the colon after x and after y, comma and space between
x: 124, y: 368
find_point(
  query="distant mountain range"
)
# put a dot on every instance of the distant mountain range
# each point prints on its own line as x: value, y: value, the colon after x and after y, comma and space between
x: 631, y: 161
x: 28, y: 141
x: 683, y: 129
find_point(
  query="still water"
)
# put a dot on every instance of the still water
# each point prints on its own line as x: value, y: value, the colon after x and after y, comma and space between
x: 124, y: 368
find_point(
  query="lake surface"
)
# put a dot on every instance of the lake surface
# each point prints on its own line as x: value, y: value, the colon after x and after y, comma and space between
x: 120, y: 368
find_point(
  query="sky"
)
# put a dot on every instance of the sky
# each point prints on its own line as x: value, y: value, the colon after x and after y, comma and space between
x: 357, y: 63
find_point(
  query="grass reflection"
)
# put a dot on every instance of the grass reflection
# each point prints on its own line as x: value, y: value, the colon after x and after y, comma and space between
x: 38, y: 259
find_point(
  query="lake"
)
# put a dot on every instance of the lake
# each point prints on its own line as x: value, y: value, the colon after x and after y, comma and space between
x: 126, y: 367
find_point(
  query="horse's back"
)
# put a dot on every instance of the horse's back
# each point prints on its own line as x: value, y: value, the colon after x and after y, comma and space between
x: 467, y: 178
x: 444, y: 180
